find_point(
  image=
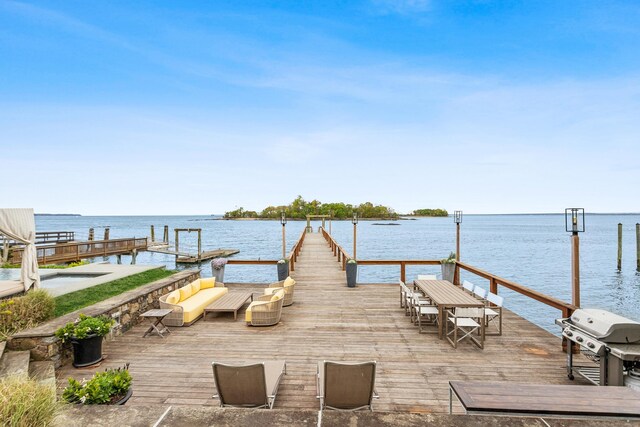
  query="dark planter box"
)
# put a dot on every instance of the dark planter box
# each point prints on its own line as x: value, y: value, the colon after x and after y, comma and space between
x: 283, y: 271
x: 352, y: 274
x: 87, y: 351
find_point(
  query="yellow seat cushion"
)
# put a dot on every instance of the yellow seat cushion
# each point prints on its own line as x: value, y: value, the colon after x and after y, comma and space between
x: 185, y: 292
x: 207, y: 283
x: 173, y: 297
x: 289, y: 281
x: 195, y: 287
x: 278, y: 295
x: 194, y: 306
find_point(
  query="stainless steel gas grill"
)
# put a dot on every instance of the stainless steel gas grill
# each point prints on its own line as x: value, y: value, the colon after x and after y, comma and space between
x: 611, y: 341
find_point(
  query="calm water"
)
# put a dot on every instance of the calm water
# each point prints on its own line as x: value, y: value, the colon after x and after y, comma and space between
x: 533, y: 250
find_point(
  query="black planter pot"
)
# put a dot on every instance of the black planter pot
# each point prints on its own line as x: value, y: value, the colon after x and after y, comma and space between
x: 283, y: 271
x: 125, y: 398
x: 87, y: 351
x: 352, y: 274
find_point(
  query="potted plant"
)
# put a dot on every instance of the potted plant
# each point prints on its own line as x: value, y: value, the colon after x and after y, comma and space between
x: 352, y: 272
x: 111, y: 387
x: 283, y: 269
x: 448, y: 266
x: 85, y: 335
x: 217, y: 268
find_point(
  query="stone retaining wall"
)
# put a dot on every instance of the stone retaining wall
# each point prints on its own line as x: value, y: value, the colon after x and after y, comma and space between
x: 124, y: 308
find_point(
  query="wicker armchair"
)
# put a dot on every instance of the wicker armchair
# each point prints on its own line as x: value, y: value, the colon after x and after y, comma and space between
x: 264, y: 311
x: 288, y: 290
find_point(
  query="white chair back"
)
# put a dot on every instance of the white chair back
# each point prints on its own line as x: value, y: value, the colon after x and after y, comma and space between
x: 427, y: 277
x: 469, y: 312
x: 480, y: 292
x: 468, y: 286
x: 494, y: 299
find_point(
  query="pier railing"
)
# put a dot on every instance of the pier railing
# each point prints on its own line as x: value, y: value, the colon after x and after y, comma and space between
x: 494, y: 281
x: 343, y: 256
x: 76, y: 251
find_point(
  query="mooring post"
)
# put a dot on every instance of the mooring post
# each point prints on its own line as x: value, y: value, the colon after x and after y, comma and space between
x: 619, y: 246
x: 165, y: 236
x: 199, y: 244
x: 134, y: 254
x: 176, y: 244
x: 91, y: 233
x: 153, y: 234
x: 637, y: 247
x: 119, y: 259
x: 106, y: 233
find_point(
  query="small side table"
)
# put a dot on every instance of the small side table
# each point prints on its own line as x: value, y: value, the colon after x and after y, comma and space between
x: 155, y: 317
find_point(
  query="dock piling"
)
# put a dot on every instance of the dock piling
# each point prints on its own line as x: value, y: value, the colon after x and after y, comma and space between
x: 165, y: 236
x: 619, y: 246
x: 90, y: 234
x: 106, y: 233
x: 153, y: 233
x: 134, y: 254
x: 637, y: 247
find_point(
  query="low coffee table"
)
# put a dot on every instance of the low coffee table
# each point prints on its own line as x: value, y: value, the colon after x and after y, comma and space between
x: 231, y: 302
x: 155, y: 317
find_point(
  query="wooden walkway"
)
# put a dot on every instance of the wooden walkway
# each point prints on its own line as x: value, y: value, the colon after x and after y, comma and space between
x: 330, y: 321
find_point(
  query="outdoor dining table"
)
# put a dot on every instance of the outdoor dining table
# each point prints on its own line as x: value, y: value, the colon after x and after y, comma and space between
x: 445, y: 295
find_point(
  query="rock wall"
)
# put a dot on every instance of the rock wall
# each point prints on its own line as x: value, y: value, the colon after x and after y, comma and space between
x: 124, y: 308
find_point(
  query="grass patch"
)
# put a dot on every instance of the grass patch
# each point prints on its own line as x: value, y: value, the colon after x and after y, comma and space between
x: 85, y: 297
x: 26, y: 403
x: 25, y: 312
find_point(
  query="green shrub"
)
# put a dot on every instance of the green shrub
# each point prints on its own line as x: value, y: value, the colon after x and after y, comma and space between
x: 85, y: 326
x: 104, y: 388
x: 26, y: 403
x: 25, y: 312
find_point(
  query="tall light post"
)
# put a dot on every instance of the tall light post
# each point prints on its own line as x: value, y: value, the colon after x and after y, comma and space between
x: 283, y: 221
x: 574, y: 223
x: 457, y: 218
x: 330, y: 218
x: 354, y: 220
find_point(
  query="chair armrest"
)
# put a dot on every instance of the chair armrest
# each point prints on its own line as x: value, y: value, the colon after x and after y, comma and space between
x: 176, y: 317
x: 265, y: 298
x: 271, y: 291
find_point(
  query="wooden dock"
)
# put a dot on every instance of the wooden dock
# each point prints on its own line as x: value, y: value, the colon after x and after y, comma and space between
x: 330, y: 321
x: 76, y: 251
x: 187, y: 258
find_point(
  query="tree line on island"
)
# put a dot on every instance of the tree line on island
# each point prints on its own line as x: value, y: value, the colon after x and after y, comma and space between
x: 300, y: 208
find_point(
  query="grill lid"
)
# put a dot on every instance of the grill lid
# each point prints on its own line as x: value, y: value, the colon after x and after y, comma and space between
x: 606, y: 326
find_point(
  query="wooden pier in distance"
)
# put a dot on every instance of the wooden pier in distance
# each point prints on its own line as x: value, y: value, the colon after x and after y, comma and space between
x: 185, y: 257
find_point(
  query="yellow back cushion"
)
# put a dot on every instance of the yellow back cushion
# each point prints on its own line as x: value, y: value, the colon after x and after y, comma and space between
x: 185, y: 292
x: 289, y: 281
x: 173, y: 297
x: 195, y: 287
x: 209, y: 282
x: 277, y: 295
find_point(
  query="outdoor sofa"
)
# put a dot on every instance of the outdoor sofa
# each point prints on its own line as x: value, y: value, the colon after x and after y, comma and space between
x: 188, y: 302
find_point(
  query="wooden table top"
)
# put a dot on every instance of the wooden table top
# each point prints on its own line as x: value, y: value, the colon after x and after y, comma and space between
x: 547, y: 399
x: 156, y: 312
x: 445, y: 293
x: 230, y: 301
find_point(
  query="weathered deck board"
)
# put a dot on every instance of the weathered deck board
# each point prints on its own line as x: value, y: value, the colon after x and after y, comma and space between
x: 330, y: 321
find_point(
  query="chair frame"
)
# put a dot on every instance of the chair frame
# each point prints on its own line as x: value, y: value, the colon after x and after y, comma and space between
x: 459, y: 316
x: 492, y: 311
x: 288, y: 291
x: 432, y: 311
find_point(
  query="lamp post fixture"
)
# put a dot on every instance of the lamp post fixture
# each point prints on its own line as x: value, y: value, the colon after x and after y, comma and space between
x: 283, y: 221
x: 354, y: 220
x: 457, y: 218
x: 574, y: 224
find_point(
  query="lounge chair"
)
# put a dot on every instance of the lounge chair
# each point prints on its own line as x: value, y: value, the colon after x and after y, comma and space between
x: 288, y: 285
x: 266, y: 311
x: 346, y: 386
x: 248, y: 386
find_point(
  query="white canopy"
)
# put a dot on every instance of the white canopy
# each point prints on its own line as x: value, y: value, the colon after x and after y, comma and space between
x: 20, y: 225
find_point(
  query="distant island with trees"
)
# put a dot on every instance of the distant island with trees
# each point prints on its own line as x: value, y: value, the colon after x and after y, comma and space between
x: 300, y: 208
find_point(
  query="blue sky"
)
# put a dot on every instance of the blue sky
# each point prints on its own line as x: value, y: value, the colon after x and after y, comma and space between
x: 196, y: 107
